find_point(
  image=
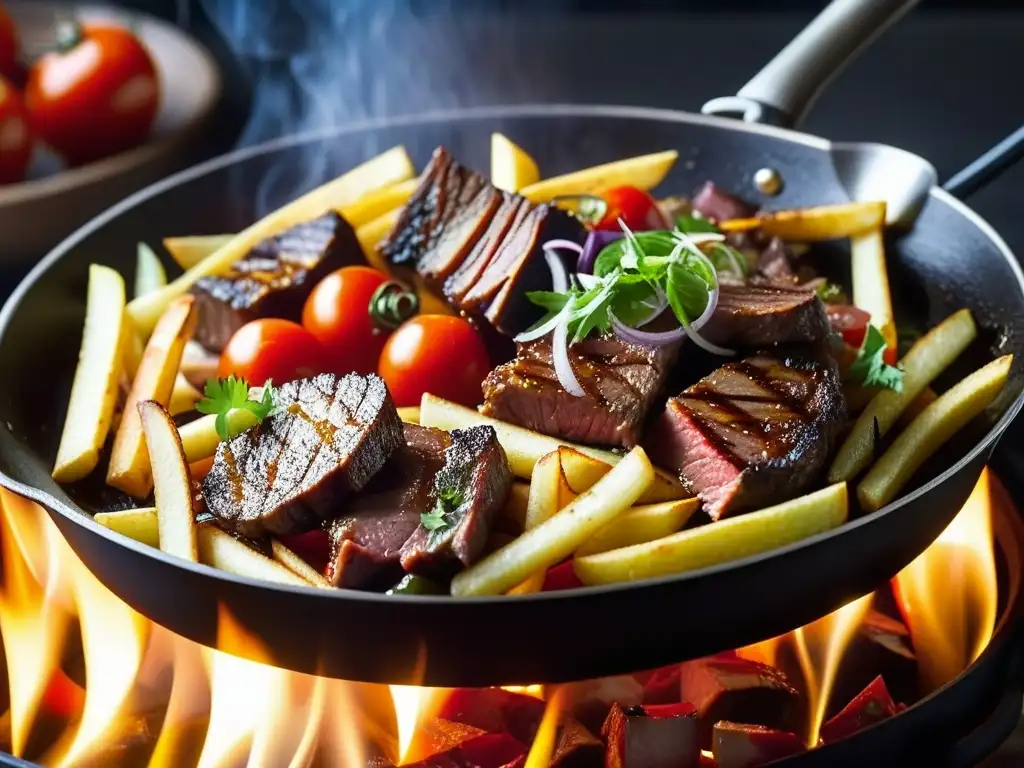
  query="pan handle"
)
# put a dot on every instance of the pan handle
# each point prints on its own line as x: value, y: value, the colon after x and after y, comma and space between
x: 783, y: 92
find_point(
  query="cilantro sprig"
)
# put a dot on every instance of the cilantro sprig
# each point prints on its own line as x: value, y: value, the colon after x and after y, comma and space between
x: 437, y: 519
x: 870, y: 368
x: 224, y: 395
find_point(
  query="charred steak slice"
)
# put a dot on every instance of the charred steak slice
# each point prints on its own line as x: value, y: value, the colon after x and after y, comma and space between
x: 329, y: 436
x: 713, y: 202
x: 765, y: 314
x: 620, y: 382
x: 366, y: 541
x: 754, y: 432
x: 274, y: 279
x: 470, y: 490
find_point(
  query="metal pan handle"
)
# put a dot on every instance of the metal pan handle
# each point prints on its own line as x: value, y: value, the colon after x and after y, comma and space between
x: 783, y: 92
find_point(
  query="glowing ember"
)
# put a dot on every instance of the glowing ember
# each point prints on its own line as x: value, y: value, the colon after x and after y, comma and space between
x: 949, y: 594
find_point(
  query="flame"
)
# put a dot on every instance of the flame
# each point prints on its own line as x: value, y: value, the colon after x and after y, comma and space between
x: 820, y: 647
x: 765, y: 652
x: 189, y: 701
x: 410, y: 702
x: 546, y: 739
x: 536, y: 691
x: 949, y: 594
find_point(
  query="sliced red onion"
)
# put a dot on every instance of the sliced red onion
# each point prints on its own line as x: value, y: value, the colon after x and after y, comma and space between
x: 594, y: 244
x: 541, y: 330
x: 703, y: 343
x: 659, y: 306
x: 560, y: 353
x: 646, y: 338
x: 566, y: 245
x: 559, y: 274
x: 709, y: 310
x: 587, y: 281
x: 559, y: 284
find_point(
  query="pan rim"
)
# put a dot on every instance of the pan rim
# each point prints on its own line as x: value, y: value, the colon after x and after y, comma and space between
x: 79, y: 517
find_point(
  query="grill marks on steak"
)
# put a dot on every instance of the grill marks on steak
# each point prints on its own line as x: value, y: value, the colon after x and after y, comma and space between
x: 620, y: 381
x: 329, y: 436
x: 765, y: 314
x: 754, y: 432
x: 274, y: 278
x: 477, y: 244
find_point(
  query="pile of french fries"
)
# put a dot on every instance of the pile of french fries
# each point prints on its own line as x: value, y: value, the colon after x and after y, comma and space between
x: 618, y: 517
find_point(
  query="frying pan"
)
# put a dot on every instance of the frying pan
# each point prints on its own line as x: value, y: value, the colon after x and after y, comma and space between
x: 949, y: 258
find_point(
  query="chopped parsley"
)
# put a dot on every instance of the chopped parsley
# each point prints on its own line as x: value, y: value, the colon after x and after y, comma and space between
x: 830, y: 293
x: 224, y: 395
x: 437, y: 519
x: 870, y: 368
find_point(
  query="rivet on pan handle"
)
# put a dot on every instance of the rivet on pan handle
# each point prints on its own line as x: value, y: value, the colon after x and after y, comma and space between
x: 783, y: 92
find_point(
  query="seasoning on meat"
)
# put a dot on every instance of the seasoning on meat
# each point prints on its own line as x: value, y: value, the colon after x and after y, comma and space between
x: 754, y: 432
x: 274, y: 279
x: 328, y: 437
x: 621, y: 381
x: 764, y: 314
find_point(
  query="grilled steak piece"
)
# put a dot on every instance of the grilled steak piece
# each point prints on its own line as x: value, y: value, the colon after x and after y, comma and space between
x: 764, y: 314
x: 274, y: 279
x: 754, y: 432
x: 470, y: 490
x: 480, y: 246
x: 716, y: 204
x: 620, y: 382
x: 329, y: 437
x: 366, y: 541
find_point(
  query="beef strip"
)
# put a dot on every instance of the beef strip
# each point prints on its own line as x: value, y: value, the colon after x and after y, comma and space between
x: 274, y: 279
x: 763, y: 314
x: 716, y: 204
x: 470, y: 490
x: 329, y: 436
x: 754, y: 432
x: 620, y: 382
x: 366, y: 541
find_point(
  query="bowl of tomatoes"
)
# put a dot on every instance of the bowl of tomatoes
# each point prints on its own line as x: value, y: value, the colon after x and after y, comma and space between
x: 95, y: 102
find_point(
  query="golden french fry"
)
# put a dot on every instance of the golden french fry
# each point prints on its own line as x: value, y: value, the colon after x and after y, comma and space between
x: 189, y: 251
x: 183, y: 397
x: 150, y: 274
x: 225, y: 552
x: 871, y: 281
x: 511, y: 167
x: 172, y: 489
x: 917, y: 405
x: 719, y: 542
x: 376, y: 204
x: 139, y: 524
x: 827, y: 222
x: 295, y: 564
x: 515, y: 507
x: 409, y: 415
x: 199, y: 438
x: 94, y: 390
x: 936, y: 424
x: 129, y: 467
x: 388, y: 168
x: 558, y: 537
x: 932, y: 354
x: 644, y: 171
x: 640, y: 524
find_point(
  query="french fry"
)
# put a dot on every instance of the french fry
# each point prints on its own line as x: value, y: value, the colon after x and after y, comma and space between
x: 388, y: 168
x: 917, y: 405
x: 201, y: 468
x: 511, y: 167
x: 644, y: 171
x: 524, y: 447
x: 558, y: 537
x: 138, y: 524
x: 183, y: 397
x: 639, y: 525
x: 199, y: 438
x: 226, y: 553
x: 172, y: 483
x: 936, y: 424
x: 409, y: 415
x: 719, y: 542
x: 929, y: 356
x: 95, y: 387
x: 376, y: 204
x: 129, y: 467
x: 827, y: 222
x: 295, y: 564
x: 871, y: 282
x: 150, y: 274
x: 515, y: 507
x: 189, y: 251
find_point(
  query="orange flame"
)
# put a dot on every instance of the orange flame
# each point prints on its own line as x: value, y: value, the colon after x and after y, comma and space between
x: 949, y: 594
x: 546, y: 740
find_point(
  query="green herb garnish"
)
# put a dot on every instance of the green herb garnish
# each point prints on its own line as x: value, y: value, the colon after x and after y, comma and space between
x: 224, y: 395
x: 690, y: 223
x: 829, y: 292
x: 448, y: 500
x: 870, y: 368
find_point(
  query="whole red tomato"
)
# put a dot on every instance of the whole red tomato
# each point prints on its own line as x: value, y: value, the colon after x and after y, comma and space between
x: 339, y: 314
x: 635, y: 207
x: 271, y: 349
x: 9, y: 66
x: 439, y: 354
x: 95, y: 96
x: 15, y: 136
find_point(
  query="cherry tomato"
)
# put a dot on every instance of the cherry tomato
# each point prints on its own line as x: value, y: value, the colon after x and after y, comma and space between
x: 439, y: 354
x: 15, y: 136
x: 272, y: 349
x: 849, y: 321
x: 95, y: 96
x: 634, y: 206
x: 313, y: 546
x: 338, y: 314
x: 9, y: 66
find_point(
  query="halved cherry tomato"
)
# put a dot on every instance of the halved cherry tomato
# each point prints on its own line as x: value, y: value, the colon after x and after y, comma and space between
x: 634, y: 206
x: 272, y: 349
x: 9, y: 66
x: 96, y: 95
x: 339, y: 315
x: 15, y: 136
x: 439, y: 354
x: 849, y: 321
x: 313, y: 546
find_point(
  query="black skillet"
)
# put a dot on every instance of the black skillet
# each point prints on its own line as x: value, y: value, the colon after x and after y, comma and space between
x: 950, y: 259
